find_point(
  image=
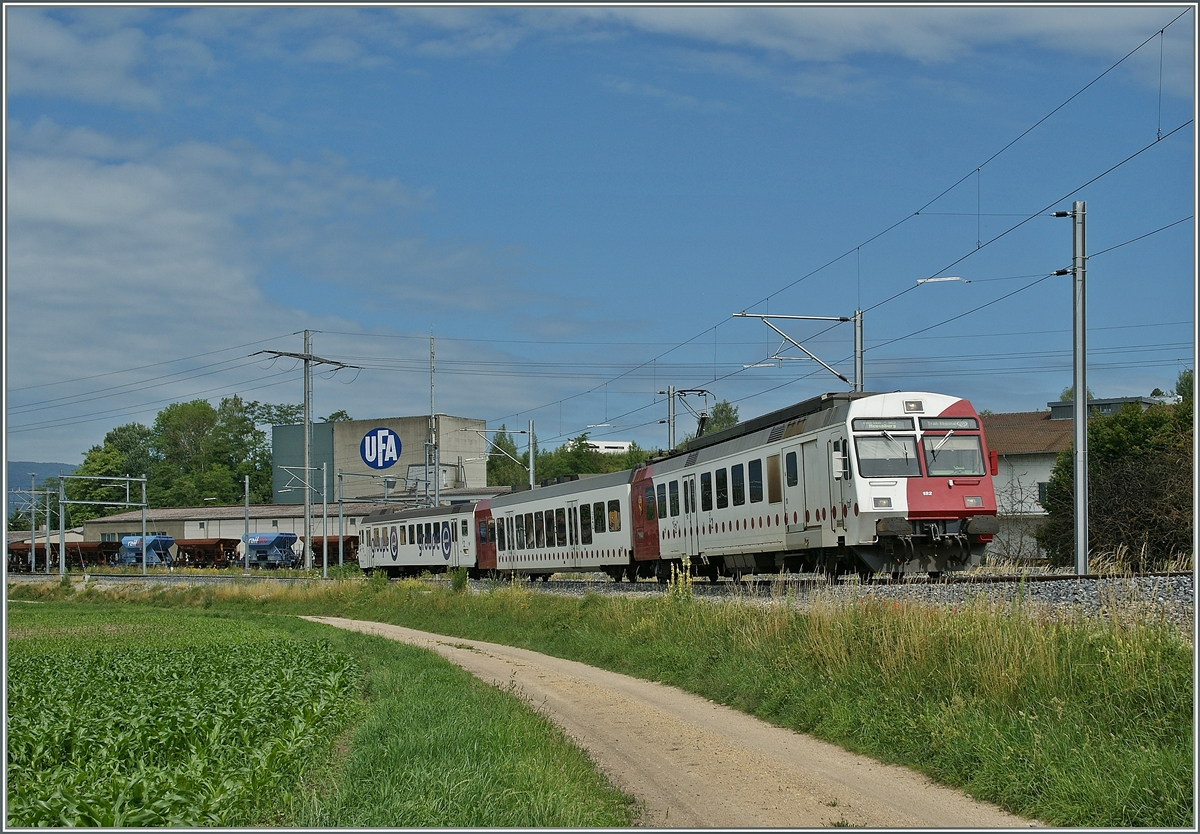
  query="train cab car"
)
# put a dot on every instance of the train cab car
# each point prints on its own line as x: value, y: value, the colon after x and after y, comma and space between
x: 409, y: 542
x: 859, y: 482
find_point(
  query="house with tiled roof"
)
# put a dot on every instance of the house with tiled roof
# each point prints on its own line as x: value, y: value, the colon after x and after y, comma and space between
x: 1028, y: 443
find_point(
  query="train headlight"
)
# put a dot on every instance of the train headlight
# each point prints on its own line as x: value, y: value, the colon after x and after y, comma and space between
x: 882, y: 503
x: 974, y: 500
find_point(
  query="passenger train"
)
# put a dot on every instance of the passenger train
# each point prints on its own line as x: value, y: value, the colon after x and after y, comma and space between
x: 895, y: 483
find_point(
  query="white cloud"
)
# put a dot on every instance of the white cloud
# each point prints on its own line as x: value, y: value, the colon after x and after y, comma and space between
x: 45, y: 56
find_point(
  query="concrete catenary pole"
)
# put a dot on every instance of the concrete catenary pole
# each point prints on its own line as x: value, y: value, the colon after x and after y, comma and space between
x: 340, y: 518
x: 324, y: 520
x: 143, y: 524
x: 670, y: 418
x: 1079, y: 307
x: 33, y: 521
x: 307, y: 479
x: 532, y: 455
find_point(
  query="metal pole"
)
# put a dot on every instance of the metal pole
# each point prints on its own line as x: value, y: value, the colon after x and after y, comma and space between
x: 1079, y: 305
x: 437, y: 475
x: 48, y: 528
x: 143, y: 525
x: 246, y: 548
x: 324, y: 522
x: 532, y: 455
x: 340, y: 518
x: 858, y: 351
x: 671, y: 417
x: 62, y: 532
x: 307, y: 453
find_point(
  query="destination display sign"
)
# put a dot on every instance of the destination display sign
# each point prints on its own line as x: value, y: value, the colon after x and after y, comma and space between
x: 883, y: 424
x: 945, y: 423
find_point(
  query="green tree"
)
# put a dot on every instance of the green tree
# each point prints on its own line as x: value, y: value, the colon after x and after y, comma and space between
x: 99, y: 462
x: 1139, y: 488
x: 339, y: 416
x: 723, y: 416
x: 502, y: 466
x: 132, y: 441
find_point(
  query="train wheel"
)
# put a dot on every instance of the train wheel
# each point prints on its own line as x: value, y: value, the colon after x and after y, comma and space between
x: 935, y: 574
x: 632, y: 573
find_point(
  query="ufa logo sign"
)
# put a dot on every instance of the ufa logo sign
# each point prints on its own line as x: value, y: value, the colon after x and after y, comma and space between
x: 380, y: 448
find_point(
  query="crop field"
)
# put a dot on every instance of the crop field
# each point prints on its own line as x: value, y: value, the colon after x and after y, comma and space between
x: 161, y: 718
x: 1073, y: 720
x: 131, y: 715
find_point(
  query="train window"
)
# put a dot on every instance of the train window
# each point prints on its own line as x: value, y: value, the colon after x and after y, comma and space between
x: 585, y: 523
x: 674, y: 491
x: 412, y: 534
x: 572, y: 524
x: 953, y: 454
x: 774, y: 485
x: 739, y: 484
x: 887, y: 456
x: 793, y: 471
x: 598, y: 516
x: 452, y: 527
x: 614, y: 516
x: 550, y: 542
x: 520, y: 523
x: 722, y: 489
x: 706, y: 491
x: 491, y: 530
x: 662, y: 500
x: 539, y: 530
x: 756, y: 481
x: 401, y: 540
x: 437, y: 534
x: 691, y: 492
x: 650, y: 514
x: 529, y: 540
x: 482, y: 532
x: 560, y: 526
x: 501, y: 541
x: 466, y: 528
x: 420, y: 535
x: 687, y: 505
x: 512, y: 542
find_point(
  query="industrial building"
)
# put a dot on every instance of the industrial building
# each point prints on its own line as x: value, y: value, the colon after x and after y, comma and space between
x: 378, y: 458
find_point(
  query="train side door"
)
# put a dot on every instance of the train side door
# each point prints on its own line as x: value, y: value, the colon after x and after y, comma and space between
x: 839, y: 481
x: 815, y: 468
x: 573, y: 533
x: 793, y: 488
x: 691, y: 517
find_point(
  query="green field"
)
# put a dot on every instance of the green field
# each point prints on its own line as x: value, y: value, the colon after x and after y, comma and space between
x: 1072, y: 721
x: 130, y: 716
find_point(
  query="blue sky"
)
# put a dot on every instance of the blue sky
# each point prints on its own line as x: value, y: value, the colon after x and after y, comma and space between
x: 575, y: 201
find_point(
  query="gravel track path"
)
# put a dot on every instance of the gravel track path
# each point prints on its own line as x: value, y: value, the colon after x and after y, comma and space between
x: 693, y: 763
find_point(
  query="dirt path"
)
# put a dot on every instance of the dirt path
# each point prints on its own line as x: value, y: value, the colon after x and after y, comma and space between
x: 694, y: 763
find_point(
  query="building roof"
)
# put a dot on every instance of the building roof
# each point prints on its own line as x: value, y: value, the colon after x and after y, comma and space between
x: 1027, y: 433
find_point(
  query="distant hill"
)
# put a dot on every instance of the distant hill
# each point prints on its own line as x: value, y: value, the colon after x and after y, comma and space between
x: 18, y: 472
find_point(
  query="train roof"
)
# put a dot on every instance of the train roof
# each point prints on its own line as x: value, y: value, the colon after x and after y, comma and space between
x: 405, y: 513
x: 783, y: 415
x: 581, y: 484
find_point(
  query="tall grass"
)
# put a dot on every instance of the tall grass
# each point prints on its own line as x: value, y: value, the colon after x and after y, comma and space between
x: 1070, y: 720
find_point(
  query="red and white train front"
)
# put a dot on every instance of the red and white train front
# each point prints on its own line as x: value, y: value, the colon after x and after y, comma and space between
x: 916, y: 468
